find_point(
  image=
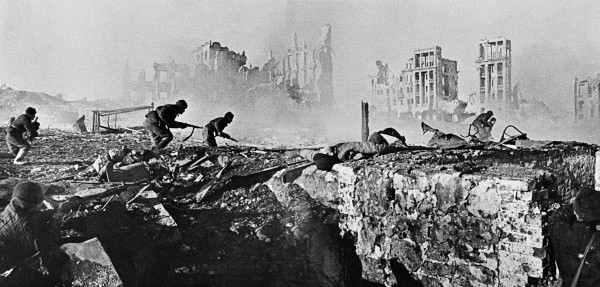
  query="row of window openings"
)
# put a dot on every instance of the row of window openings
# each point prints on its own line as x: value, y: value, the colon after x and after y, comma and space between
x: 493, y: 95
x: 491, y: 83
x: 408, y: 90
x: 417, y: 99
x: 490, y: 69
x: 425, y: 76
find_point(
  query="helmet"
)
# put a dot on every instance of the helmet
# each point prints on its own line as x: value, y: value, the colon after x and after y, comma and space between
x: 28, y: 194
x: 30, y: 111
x: 181, y: 104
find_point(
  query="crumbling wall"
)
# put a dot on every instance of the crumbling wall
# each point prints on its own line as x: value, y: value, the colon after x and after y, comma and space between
x: 454, y: 218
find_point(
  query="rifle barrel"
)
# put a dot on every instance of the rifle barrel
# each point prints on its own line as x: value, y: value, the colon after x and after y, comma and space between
x: 194, y: 126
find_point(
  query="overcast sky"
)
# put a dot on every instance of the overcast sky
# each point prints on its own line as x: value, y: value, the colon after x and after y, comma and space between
x: 79, y: 48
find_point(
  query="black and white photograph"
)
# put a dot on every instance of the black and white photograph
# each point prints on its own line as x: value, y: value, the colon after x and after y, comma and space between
x: 283, y: 143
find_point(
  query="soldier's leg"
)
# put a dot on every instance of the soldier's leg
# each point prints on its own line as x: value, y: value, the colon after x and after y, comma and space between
x: 209, y: 137
x: 11, y: 147
x: 19, y: 144
x: 155, y: 132
x: 165, y: 136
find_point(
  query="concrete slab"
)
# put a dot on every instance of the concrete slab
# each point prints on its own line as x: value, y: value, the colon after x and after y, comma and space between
x: 90, y: 265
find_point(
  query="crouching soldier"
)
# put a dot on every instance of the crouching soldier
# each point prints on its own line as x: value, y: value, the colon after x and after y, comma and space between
x: 158, y: 122
x: 574, y: 234
x: 25, y: 231
x: 19, y: 134
x: 215, y: 128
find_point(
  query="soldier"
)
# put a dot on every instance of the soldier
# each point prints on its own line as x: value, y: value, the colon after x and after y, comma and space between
x: 19, y: 134
x: 377, y: 137
x: 158, y: 122
x: 328, y: 156
x: 26, y: 230
x: 573, y: 230
x: 483, y: 120
x: 215, y: 128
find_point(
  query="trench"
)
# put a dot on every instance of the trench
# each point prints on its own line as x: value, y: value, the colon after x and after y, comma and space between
x: 328, y: 257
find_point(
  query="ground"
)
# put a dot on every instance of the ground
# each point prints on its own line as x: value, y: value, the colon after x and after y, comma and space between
x: 237, y: 235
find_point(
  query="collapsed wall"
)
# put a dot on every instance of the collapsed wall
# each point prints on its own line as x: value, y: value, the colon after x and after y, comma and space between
x: 454, y: 218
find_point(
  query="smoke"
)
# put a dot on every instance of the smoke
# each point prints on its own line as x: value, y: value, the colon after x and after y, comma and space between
x: 79, y: 49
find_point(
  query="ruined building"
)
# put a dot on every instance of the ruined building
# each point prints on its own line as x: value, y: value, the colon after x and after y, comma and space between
x: 495, y: 75
x: 586, y: 99
x: 305, y: 70
x: 169, y: 79
x: 426, y: 84
x: 306, y: 73
x: 217, y: 68
x: 414, y: 216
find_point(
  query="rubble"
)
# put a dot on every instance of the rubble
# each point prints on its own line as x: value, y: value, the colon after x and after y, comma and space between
x: 415, y: 213
x: 244, y: 215
x: 157, y: 217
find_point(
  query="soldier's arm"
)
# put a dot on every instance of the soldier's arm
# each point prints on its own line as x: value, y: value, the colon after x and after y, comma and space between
x: 220, y: 126
x: 308, y: 154
x: 561, y: 219
x: 42, y: 231
x: 31, y: 128
x: 168, y: 116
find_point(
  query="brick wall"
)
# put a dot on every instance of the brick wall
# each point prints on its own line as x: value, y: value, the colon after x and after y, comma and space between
x: 454, y: 218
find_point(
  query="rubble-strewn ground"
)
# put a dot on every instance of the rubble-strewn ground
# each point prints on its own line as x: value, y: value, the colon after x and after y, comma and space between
x: 239, y: 235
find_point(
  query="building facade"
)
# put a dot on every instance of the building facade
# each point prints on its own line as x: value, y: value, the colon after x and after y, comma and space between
x: 586, y: 100
x: 423, y: 89
x: 305, y: 70
x: 495, y: 75
x: 218, y: 73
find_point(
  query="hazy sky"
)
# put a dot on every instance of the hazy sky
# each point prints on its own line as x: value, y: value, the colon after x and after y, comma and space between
x: 79, y: 47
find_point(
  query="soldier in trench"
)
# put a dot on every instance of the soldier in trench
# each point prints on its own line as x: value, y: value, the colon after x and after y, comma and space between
x: 20, y: 133
x: 26, y: 230
x: 159, y: 122
x: 573, y: 229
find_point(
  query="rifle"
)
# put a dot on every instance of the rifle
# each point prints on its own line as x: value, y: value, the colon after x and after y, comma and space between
x: 227, y: 136
x: 194, y: 127
x: 96, y: 194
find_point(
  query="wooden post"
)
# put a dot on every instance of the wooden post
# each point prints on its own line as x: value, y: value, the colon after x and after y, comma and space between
x: 365, y: 121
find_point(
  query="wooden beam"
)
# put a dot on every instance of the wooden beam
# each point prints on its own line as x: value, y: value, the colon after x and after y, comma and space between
x: 365, y: 121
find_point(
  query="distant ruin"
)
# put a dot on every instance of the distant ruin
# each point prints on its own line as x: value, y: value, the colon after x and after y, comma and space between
x: 217, y: 74
x: 586, y: 99
x: 427, y: 87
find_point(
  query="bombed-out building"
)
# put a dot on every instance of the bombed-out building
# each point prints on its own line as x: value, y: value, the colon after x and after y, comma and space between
x: 494, y: 69
x: 425, y: 88
x: 586, y: 99
x: 306, y: 72
x: 169, y: 79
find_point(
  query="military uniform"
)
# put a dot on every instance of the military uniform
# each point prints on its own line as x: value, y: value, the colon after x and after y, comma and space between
x: 571, y: 228
x: 14, y: 133
x: 158, y: 122
x: 213, y: 129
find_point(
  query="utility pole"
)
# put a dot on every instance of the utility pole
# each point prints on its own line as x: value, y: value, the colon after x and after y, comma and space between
x: 365, y: 121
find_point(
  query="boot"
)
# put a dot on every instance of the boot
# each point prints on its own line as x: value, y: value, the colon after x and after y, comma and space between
x: 19, y: 158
